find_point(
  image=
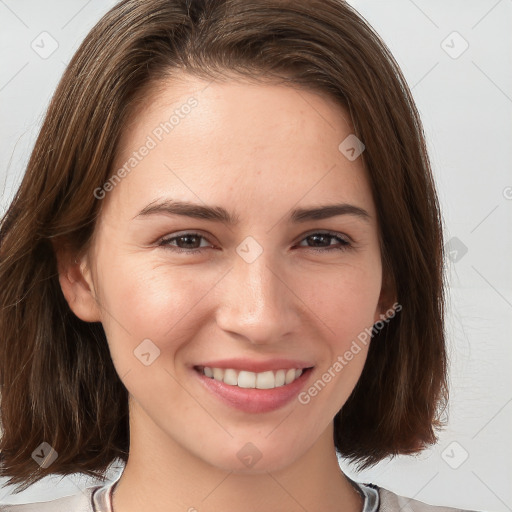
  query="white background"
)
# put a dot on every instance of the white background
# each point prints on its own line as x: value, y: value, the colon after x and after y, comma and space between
x: 466, y: 106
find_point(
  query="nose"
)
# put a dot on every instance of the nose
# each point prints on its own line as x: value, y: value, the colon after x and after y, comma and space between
x: 257, y: 303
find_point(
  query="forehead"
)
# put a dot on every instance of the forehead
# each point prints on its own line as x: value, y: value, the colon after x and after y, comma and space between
x: 239, y: 139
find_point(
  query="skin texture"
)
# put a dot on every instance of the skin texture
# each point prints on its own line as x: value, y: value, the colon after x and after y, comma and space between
x: 258, y: 151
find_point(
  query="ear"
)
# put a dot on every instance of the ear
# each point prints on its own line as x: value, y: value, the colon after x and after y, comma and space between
x: 387, y: 298
x: 77, y: 285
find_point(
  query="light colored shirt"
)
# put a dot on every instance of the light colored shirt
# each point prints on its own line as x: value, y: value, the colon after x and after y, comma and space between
x: 99, y: 499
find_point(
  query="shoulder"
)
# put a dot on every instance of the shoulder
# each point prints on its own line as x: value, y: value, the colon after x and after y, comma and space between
x: 77, y: 503
x: 391, y: 502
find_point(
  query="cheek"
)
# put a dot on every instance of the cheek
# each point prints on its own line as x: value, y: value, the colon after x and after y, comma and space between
x: 146, y: 298
x: 344, y: 304
x: 345, y: 299
x: 150, y: 298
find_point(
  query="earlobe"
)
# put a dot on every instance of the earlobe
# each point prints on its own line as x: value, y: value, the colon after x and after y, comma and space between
x: 387, y: 300
x: 386, y: 310
x: 77, y: 287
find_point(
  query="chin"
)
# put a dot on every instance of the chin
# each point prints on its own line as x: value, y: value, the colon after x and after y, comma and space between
x: 254, y: 457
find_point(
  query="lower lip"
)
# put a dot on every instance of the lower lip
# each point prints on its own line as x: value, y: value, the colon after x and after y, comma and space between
x: 251, y: 399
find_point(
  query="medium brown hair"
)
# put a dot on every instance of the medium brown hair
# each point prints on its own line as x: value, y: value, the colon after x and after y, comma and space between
x: 58, y: 382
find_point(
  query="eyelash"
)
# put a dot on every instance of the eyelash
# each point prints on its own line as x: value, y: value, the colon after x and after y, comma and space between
x: 165, y: 242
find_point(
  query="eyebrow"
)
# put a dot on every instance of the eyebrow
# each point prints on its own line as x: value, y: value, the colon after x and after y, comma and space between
x: 220, y: 214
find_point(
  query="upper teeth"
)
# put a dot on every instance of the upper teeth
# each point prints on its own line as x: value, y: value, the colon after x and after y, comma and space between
x: 245, y: 379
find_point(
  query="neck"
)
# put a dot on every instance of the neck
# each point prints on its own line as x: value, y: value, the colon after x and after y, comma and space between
x: 160, y: 475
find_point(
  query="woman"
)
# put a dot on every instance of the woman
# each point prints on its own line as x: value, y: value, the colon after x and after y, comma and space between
x: 172, y: 294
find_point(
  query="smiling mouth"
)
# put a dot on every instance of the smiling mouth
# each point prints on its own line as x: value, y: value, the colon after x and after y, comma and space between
x: 251, y: 380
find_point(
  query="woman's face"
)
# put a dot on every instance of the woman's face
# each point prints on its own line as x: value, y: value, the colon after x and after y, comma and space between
x: 215, y: 249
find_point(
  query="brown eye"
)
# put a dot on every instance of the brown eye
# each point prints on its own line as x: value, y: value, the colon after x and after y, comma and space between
x: 322, y: 242
x: 185, y: 242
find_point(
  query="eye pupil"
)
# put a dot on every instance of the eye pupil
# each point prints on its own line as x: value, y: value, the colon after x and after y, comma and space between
x: 320, y: 236
x: 188, y: 237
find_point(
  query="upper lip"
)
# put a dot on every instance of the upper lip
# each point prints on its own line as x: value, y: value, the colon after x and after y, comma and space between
x: 252, y: 365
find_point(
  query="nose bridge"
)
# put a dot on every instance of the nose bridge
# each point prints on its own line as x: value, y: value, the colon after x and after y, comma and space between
x: 254, y: 301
